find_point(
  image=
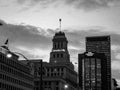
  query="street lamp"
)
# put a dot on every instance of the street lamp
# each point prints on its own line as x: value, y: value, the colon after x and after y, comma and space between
x: 9, y: 55
x: 66, y: 86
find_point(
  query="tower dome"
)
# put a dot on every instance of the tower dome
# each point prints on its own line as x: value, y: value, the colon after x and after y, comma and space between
x: 60, y: 36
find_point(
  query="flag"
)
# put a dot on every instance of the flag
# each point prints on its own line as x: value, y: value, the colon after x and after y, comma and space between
x: 6, y: 42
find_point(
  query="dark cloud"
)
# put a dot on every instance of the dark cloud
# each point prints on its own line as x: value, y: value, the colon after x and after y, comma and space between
x: 115, y: 39
x: 27, y: 35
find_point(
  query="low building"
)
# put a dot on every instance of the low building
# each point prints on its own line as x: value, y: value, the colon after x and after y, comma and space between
x: 14, y: 75
x: 54, y: 76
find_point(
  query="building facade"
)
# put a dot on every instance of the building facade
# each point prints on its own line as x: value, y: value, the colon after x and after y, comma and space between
x: 92, y: 71
x: 59, y: 71
x: 14, y: 75
x: 60, y: 60
x: 101, y: 44
x: 54, y: 76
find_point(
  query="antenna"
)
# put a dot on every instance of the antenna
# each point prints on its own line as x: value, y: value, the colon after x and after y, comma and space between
x: 60, y: 23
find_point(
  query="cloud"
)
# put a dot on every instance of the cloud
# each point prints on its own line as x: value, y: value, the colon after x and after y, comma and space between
x: 29, y: 4
x: 116, y: 65
x: 36, y: 42
x: 116, y: 75
x: 115, y: 38
x: 38, y: 5
x: 34, y: 53
x: 92, y: 4
x: 33, y: 42
x: 73, y: 47
x: 21, y: 1
x: 37, y: 39
x: 78, y: 4
x: 117, y: 56
x: 24, y: 32
x: 115, y: 48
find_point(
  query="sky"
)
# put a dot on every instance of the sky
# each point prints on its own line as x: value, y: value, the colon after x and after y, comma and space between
x: 31, y: 24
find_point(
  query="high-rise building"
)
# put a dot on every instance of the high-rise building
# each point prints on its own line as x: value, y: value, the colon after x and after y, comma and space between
x: 14, y: 75
x: 101, y: 44
x: 92, y: 71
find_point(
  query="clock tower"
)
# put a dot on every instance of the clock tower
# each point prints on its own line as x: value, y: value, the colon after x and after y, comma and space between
x: 60, y: 52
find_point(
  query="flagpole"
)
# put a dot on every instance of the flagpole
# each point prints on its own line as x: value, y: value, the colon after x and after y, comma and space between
x: 60, y: 23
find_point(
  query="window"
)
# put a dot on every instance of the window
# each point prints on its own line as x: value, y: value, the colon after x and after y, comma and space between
x: 58, y: 45
x: 61, y: 55
x: 61, y: 44
x: 57, y: 55
x: 57, y: 83
x: 51, y: 74
x: 53, y: 55
x: 55, y: 46
x: 48, y: 74
x: 92, y: 61
x: 57, y: 88
x: 0, y: 84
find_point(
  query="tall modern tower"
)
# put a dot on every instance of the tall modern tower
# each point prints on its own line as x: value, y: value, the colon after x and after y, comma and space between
x: 101, y: 44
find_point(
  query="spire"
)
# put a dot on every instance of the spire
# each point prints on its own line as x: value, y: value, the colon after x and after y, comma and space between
x: 60, y: 23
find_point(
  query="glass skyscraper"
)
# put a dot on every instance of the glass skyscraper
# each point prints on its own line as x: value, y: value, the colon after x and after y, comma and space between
x: 101, y: 44
x: 92, y: 71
